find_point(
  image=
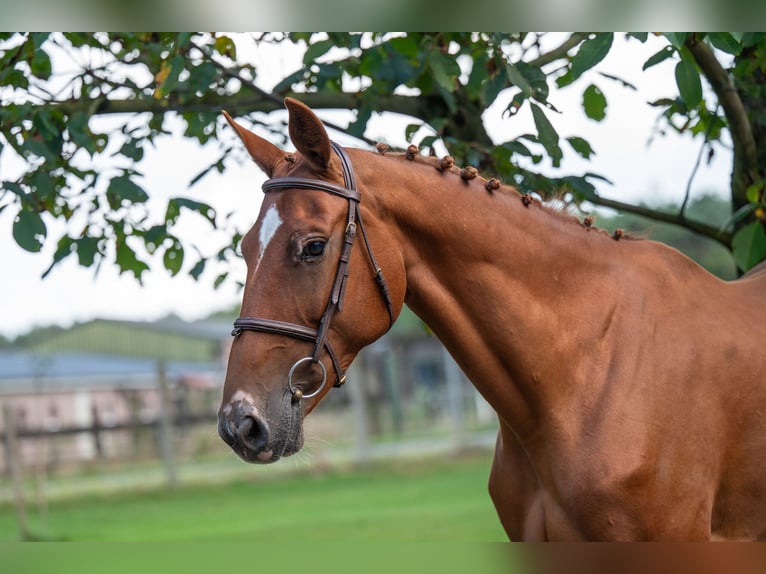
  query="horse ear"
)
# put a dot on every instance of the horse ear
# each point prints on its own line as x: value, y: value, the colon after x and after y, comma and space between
x: 308, y: 135
x: 263, y: 152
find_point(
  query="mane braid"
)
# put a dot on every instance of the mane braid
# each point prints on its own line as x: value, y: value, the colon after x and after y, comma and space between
x: 494, y: 185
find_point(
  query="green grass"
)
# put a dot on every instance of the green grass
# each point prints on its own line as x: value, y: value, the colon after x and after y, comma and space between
x: 424, y: 501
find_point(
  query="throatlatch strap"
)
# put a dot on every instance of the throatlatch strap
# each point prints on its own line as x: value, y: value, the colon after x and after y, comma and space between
x: 353, y: 220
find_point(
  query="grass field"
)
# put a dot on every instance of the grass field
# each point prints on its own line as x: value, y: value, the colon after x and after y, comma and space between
x: 436, y: 500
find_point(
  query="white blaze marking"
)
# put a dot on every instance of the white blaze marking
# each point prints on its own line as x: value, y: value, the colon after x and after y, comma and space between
x: 243, y: 396
x: 269, y: 226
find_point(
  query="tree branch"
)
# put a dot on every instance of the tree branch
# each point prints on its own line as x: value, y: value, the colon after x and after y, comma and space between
x: 243, y: 102
x: 561, y: 51
x: 745, y: 152
x: 696, y: 167
x: 719, y: 235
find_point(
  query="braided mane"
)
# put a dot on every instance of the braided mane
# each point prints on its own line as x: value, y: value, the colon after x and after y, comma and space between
x: 447, y: 164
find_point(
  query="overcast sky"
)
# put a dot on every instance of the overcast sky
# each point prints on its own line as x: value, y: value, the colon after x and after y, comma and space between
x: 70, y: 293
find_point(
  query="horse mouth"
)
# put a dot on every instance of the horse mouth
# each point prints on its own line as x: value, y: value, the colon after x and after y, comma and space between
x: 278, y: 449
x: 260, y: 439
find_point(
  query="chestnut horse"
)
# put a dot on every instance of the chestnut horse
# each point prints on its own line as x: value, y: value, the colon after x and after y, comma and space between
x: 627, y: 380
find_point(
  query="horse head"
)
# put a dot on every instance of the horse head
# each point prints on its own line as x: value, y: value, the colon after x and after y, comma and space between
x: 313, y: 296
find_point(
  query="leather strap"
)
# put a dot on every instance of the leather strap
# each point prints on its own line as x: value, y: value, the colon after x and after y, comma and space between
x: 290, y: 329
x: 335, y: 304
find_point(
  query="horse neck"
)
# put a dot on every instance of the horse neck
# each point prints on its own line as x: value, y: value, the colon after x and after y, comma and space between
x: 499, y: 280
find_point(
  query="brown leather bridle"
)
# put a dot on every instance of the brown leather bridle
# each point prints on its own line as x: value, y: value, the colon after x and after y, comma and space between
x: 319, y: 335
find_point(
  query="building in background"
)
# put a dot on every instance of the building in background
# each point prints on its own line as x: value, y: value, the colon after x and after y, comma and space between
x: 93, y: 394
x: 103, y: 376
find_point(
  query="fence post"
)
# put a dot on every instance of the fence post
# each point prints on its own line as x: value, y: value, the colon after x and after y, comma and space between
x: 357, y: 374
x: 454, y: 397
x: 96, y: 430
x: 14, y: 452
x: 391, y: 378
x: 166, y: 426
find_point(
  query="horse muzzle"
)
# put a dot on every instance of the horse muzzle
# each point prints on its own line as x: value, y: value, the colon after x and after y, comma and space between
x: 246, y: 432
x: 257, y: 438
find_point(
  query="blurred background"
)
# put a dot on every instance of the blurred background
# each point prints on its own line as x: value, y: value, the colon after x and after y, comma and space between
x: 125, y: 195
x: 111, y: 411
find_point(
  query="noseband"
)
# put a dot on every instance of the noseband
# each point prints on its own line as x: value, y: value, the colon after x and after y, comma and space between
x: 319, y: 335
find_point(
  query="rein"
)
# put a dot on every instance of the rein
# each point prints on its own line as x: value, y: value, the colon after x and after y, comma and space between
x: 335, y: 304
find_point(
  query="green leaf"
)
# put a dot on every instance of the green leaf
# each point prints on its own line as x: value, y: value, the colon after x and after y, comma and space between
x: 405, y: 45
x: 677, y: 39
x: 591, y: 52
x: 445, y: 70
x: 660, y: 56
x: 754, y: 191
x: 220, y: 279
x: 122, y: 189
x: 749, y: 245
x: 410, y: 131
x: 173, y: 258
x: 689, y: 83
x: 752, y: 38
x: 43, y: 185
x: 597, y: 176
x: 288, y: 82
x: 478, y: 75
x: 565, y: 79
x: 29, y: 230
x: 225, y: 46
x: 63, y: 249
x: 513, y: 108
x: 537, y: 79
x: 132, y: 149
x: 517, y: 79
x: 514, y: 147
x: 582, y: 188
x: 547, y: 135
x: 316, y: 51
x: 581, y: 146
x: 13, y: 187
x: 87, y: 247
x: 359, y: 125
x: 154, y: 237
x: 41, y: 65
x: 39, y: 147
x: 39, y: 38
x: 79, y: 132
x: 492, y: 88
x: 594, y: 103
x: 427, y: 141
x: 640, y: 36
x: 202, y: 77
x: 198, y: 268
x: 174, y: 209
x: 127, y: 260
x: 725, y: 42
x: 169, y: 75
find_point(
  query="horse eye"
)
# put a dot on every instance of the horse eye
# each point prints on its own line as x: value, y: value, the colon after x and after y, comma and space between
x: 313, y: 249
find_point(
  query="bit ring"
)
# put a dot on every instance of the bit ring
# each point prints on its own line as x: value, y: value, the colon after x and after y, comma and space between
x: 295, y: 391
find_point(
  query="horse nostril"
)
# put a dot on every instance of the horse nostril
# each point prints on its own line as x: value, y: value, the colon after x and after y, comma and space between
x: 225, y: 431
x: 252, y: 433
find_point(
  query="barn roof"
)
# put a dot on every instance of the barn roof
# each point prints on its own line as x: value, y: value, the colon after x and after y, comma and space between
x: 22, y: 370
